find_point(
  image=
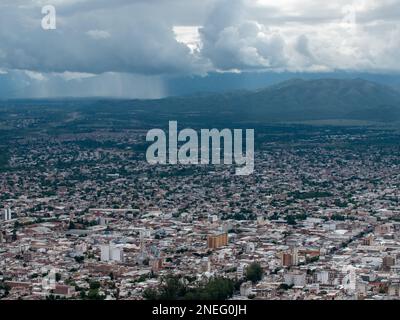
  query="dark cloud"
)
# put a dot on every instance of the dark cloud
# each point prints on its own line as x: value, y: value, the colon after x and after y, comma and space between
x: 135, y: 39
x: 126, y: 41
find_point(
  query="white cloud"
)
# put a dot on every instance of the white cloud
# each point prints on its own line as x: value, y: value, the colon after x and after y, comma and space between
x: 188, y: 35
x: 35, y: 75
x: 68, y: 76
x: 302, y: 35
x: 164, y: 38
x: 98, y: 34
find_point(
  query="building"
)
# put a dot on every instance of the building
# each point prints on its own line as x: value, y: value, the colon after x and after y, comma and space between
x: 110, y: 252
x: 388, y: 262
x: 349, y: 281
x: 62, y: 290
x: 290, y: 259
x: 250, y: 247
x: 6, y: 214
x: 216, y: 241
x: 156, y: 264
x: 297, y: 279
x: 246, y: 289
x: 241, y: 269
x: 286, y: 260
x: 368, y: 241
x: 295, y: 256
x: 321, y: 277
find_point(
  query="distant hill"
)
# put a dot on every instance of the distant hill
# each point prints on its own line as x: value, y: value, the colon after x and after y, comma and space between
x: 328, y: 99
x: 296, y: 100
x: 293, y: 100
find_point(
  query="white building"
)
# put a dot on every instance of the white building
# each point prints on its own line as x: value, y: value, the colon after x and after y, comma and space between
x: 246, y: 289
x: 296, y: 279
x: 6, y: 214
x: 349, y: 279
x: 295, y: 256
x: 241, y: 270
x: 80, y: 249
x: 110, y: 252
x: 250, y: 247
x: 212, y: 218
x: 322, y: 277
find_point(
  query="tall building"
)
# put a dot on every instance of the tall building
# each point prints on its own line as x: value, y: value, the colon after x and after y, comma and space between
x: 291, y: 258
x: 156, y: 264
x: 387, y: 262
x: 321, y: 277
x: 349, y: 278
x: 295, y: 256
x: 110, y: 252
x: 286, y: 260
x: 6, y: 215
x: 217, y: 240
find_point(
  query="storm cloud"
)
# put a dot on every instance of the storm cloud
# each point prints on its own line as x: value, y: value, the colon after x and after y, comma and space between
x: 99, y: 40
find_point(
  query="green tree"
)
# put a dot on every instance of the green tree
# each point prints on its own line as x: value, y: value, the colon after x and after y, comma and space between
x: 254, y: 272
x: 172, y: 288
x: 14, y: 235
x: 79, y: 259
x: 94, y: 285
x: 291, y: 220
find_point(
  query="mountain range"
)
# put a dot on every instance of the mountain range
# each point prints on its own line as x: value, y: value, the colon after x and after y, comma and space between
x: 293, y: 100
x: 296, y: 100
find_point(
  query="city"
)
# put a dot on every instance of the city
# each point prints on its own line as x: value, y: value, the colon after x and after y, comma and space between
x: 199, y: 158
x: 86, y: 217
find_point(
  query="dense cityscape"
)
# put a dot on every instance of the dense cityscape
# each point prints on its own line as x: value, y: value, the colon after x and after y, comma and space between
x: 185, y: 159
x: 84, y: 216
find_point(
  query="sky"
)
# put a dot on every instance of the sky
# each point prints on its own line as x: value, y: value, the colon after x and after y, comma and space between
x: 145, y: 48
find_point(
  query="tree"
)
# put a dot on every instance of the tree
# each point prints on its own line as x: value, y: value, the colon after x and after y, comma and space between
x: 216, y: 289
x: 284, y: 286
x: 173, y: 288
x: 94, y: 285
x: 254, y: 272
x: 79, y: 259
x: 14, y: 235
x: 291, y: 220
x: 93, y: 294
